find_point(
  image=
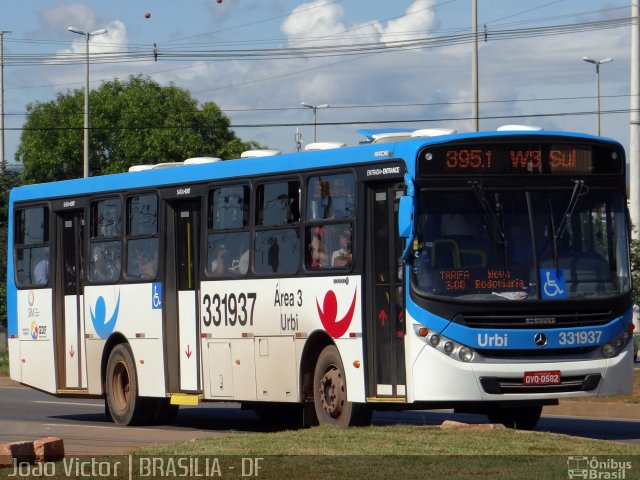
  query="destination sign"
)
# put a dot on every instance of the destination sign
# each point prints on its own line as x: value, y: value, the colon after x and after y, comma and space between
x: 521, y: 159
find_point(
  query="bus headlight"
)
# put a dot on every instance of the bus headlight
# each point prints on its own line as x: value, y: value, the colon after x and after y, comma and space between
x: 615, y: 346
x: 449, y: 347
x: 608, y: 350
x: 465, y: 354
x: 445, y: 345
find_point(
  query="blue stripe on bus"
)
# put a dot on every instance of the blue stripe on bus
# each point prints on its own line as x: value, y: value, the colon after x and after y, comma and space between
x: 523, y: 339
x: 12, y: 294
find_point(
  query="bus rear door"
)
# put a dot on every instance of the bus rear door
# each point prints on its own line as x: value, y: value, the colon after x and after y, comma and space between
x: 68, y: 290
x: 181, y: 297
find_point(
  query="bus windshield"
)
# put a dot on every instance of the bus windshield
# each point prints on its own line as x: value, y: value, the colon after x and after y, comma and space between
x: 482, y: 243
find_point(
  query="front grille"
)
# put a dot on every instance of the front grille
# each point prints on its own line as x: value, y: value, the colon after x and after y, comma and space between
x: 534, y: 321
x: 499, y: 386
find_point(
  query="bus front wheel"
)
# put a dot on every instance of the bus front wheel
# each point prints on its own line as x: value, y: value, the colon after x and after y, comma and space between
x: 125, y: 405
x: 330, y: 393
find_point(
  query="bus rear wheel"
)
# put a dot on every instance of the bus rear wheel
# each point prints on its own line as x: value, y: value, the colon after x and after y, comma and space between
x: 521, y: 418
x: 330, y: 393
x: 125, y: 405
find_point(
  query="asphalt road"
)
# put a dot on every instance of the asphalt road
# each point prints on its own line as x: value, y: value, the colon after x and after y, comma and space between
x: 26, y: 414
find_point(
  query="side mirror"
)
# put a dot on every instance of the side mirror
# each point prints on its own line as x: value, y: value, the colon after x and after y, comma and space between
x: 405, y: 217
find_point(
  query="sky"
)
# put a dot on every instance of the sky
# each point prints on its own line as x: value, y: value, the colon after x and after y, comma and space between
x: 377, y: 64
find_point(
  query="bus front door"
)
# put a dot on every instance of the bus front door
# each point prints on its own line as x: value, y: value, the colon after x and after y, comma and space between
x: 181, y: 299
x: 385, y: 323
x: 68, y: 280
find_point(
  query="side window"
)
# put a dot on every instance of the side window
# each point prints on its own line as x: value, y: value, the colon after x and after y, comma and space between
x: 277, y: 241
x: 277, y: 251
x: 278, y: 204
x: 331, y: 196
x: 142, y: 237
x: 328, y: 246
x: 330, y: 207
x: 229, y: 207
x: 32, y: 246
x: 228, y: 238
x: 105, y: 261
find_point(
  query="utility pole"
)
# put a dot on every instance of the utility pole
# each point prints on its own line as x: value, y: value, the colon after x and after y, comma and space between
x: 634, y: 120
x: 3, y: 162
x: 475, y: 109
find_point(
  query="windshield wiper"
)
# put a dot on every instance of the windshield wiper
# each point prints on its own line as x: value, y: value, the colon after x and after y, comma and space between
x: 579, y: 189
x: 488, y: 215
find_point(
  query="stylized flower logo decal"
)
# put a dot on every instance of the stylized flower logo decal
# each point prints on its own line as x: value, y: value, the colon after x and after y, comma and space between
x: 34, y: 330
x: 104, y: 327
x: 329, y: 314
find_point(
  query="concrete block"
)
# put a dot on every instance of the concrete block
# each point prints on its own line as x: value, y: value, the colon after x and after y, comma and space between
x: 21, y: 451
x: 48, y: 449
x: 452, y: 425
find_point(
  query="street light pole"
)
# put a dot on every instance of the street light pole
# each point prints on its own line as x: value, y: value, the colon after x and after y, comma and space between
x: 3, y: 162
x: 597, y: 63
x: 88, y: 36
x: 314, y: 108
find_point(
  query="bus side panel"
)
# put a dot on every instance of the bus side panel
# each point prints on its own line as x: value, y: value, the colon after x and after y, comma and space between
x: 271, y: 318
x: 332, y: 304
x: 131, y: 311
x: 35, y: 332
x: 95, y: 348
x: 238, y: 317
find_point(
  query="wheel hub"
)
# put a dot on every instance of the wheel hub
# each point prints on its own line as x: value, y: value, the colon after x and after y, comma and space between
x: 332, y: 392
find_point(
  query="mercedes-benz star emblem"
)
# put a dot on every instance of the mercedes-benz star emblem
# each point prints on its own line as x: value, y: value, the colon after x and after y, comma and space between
x: 540, y: 339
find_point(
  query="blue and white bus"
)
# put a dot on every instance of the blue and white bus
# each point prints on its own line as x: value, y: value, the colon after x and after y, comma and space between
x: 486, y: 272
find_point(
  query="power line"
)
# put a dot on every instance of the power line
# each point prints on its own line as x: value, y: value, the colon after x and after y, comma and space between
x: 337, y: 123
x: 349, y: 49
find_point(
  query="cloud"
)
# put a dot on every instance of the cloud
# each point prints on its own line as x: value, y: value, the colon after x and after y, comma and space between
x: 418, y: 19
x: 319, y: 20
x: 81, y: 15
x: 112, y: 41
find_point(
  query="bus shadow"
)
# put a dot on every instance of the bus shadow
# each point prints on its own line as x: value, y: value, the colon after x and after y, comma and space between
x: 205, y: 418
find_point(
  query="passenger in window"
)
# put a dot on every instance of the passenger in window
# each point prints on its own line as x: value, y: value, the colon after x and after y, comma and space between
x: 321, y: 204
x: 317, y: 255
x: 342, y: 256
x: 218, y: 265
x: 41, y: 270
x: 147, y: 263
x: 273, y: 254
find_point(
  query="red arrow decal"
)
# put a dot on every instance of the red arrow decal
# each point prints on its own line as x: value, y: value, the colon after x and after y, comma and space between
x: 382, y: 316
x: 188, y: 351
x: 72, y: 351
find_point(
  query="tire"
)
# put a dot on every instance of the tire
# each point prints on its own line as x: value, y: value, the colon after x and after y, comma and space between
x: 520, y: 418
x: 123, y: 401
x: 330, y: 393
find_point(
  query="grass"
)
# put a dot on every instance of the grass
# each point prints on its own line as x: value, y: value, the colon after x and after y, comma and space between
x: 4, y: 364
x: 396, y: 452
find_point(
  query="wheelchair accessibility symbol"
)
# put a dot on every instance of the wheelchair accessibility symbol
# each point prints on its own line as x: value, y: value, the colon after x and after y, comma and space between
x: 554, y: 284
x: 156, y: 296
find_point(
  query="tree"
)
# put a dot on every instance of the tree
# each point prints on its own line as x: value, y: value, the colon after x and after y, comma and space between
x: 133, y: 122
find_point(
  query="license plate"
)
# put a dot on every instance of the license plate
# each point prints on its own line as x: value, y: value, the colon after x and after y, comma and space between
x: 551, y: 377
